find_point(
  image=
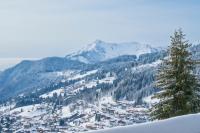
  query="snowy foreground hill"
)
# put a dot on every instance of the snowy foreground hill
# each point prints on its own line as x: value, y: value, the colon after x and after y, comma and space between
x: 181, y: 124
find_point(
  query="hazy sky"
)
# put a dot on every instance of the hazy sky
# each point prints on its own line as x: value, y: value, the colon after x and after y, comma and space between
x: 40, y: 28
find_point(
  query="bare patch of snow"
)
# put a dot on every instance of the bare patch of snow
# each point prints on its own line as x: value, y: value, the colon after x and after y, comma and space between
x: 141, y: 67
x: 79, y: 76
x: 50, y: 94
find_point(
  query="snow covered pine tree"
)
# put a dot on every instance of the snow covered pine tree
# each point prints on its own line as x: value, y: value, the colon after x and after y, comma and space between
x: 179, y: 87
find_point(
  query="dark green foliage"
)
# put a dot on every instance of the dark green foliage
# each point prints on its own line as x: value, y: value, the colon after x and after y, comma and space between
x: 61, y: 122
x: 179, y: 87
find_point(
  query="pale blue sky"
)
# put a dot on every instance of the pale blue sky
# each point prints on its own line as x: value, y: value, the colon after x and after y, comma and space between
x: 40, y: 28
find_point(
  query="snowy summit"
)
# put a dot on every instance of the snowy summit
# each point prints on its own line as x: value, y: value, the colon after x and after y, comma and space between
x: 101, y: 51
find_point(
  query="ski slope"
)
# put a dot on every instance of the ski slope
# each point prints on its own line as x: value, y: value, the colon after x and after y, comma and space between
x: 181, y: 124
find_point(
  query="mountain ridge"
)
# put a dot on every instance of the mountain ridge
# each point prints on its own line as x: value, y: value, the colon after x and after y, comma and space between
x: 34, y: 74
x: 101, y: 51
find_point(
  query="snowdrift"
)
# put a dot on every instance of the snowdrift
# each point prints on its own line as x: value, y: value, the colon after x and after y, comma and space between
x: 181, y: 124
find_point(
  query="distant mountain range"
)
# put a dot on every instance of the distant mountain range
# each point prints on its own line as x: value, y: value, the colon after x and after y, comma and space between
x: 134, y: 58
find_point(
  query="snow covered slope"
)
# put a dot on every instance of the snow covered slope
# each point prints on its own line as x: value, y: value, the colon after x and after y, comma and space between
x: 101, y: 51
x: 181, y: 124
x: 28, y: 75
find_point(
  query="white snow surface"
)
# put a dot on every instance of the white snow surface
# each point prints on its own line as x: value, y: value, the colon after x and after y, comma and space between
x: 66, y: 112
x: 150, y: 100
x: 28, y: 111
x: 149, y: 65
x: 79, y: 76
x: 93, y: 83
x: 116, y: 49
x: 182, y: 124
x: 50, y: 94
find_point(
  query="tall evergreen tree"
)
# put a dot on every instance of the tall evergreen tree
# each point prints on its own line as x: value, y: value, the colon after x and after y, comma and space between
x: 180, y: 91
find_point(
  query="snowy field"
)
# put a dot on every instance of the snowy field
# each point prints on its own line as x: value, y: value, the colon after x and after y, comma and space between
x: 181, y: 124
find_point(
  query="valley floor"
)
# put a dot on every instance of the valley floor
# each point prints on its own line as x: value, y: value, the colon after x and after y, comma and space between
x: 74, y: 118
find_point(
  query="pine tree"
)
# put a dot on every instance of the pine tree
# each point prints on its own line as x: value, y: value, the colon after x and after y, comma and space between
x: 180, y: 91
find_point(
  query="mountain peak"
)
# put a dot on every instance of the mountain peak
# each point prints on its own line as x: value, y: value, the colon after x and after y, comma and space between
x: 98, y: 41
x: 96, y: 44
x: 101, y: 51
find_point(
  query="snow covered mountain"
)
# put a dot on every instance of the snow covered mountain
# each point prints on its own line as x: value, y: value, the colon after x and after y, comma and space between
x: 31, y: 75
x: 101, y: 51
x: 65, y: 94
